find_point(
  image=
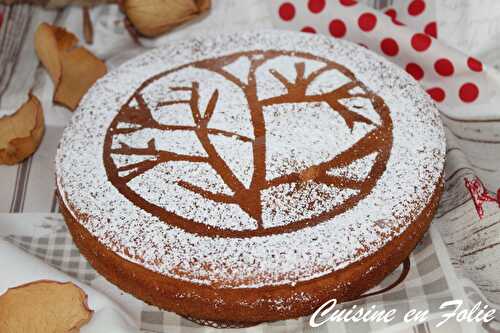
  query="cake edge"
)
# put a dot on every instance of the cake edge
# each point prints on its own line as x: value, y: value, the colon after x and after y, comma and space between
x: 249, y: 306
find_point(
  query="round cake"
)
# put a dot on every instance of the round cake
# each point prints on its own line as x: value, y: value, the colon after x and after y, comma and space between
x: 251, y: 177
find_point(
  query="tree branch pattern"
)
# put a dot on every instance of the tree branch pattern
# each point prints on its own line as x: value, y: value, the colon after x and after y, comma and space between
x: 249, y: 198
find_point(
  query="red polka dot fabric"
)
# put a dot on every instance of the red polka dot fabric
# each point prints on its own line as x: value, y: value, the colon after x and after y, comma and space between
x: 431, y: 29
x: 389, y: 47
x: 468, y: 92
x: 337, y: 28
x: 415, y: 70
x: 367, y: 22
x: 407, y: 34
x: 287, y: 11
x: 308, y: 29
x: 416, y: 7
x: 316, y: 6
x: 444, y: 67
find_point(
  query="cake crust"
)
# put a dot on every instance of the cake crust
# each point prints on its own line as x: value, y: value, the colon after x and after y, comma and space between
x: 250, y: 306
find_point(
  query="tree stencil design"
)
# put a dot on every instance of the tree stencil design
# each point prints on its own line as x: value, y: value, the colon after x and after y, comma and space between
x: 248, y: 197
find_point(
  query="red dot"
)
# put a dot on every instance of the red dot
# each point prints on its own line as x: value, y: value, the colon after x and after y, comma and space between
x: 316, y: 6
x: 391, y: 12
x: 474, y: 64
x: 444, y: 67
x: 348, y: 2
x: 415, y: 70
x: 367, y: 21
x: 308, y: 29
x: 468, y: 92
x: 287, y: 11
x: 420, y: 42
x: 416, y: 7
x: 437, y: 94
x: 389, y: 47
x: 337, y: 28
x: 431, y: 29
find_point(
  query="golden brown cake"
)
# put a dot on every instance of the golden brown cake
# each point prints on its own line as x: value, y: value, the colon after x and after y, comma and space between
x: 251, y: 177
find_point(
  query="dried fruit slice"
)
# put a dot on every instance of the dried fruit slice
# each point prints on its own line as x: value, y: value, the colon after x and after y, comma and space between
x: 44, y: 306
x: 73, y: 69
x: 80, y: 70
x: 21, y: 132
x: 50, y: 42
x: 152, y: 18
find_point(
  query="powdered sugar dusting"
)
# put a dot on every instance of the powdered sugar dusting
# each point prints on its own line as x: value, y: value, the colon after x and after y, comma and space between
x: 286, y: 203
x: 357, y: 170
x: 240, y: 69
x: 186, y: 203
x: 238, y: 155
x: 127, y: 125
x: 327, y: 82
x: 362, y: 106
x: 180, y: 142
x: 122, y: 160
x: 293, y: 146
x: 416, y: 163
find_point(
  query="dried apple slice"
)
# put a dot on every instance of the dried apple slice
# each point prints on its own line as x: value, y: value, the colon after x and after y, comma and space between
x: 80, y: 70
x: 44, y: 306
x: 73, y: 69
x: 21, y: 132
x: 50, y: 42
x: 155, y: 17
